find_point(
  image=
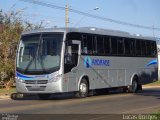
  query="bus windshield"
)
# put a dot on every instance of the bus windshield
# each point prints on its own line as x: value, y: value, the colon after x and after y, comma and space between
x: 39, y: 53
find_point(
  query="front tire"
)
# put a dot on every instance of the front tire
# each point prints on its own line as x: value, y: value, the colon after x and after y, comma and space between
x: 83, y: 89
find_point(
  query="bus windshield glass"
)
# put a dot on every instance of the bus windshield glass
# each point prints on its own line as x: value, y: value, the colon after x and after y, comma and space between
x: 39, y: 53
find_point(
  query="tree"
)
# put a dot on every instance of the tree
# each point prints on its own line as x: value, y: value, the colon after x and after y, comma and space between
x: 11, y: 27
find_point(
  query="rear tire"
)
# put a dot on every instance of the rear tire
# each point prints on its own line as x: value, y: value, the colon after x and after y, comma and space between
x: 83, y: 89
x: 44, y: 96
x: 133, y: 88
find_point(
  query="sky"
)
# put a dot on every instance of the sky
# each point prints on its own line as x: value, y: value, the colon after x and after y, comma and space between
x: 141, y: 12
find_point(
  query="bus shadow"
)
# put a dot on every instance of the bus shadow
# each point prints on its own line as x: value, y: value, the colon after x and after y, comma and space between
x: 150, y: 92
x: 67, y: 96
x: 63, y: 96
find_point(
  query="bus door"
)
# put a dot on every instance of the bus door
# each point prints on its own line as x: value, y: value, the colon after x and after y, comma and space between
x: 74, y: 51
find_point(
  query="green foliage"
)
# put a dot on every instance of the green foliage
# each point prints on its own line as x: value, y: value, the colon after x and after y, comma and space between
x: 11, y: 27
x: 157, y: 83
x: 10, y: 91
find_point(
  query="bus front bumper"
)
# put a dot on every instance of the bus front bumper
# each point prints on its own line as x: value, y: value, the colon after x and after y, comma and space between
x: 54, y: 87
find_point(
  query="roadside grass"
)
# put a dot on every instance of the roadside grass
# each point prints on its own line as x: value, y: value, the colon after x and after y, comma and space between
x: 152, y: 116
x: 157, y: 115
x: 3, y: 91
x: 157, y: 83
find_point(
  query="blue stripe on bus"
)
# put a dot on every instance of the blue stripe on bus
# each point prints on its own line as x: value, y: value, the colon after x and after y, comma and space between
x: 24, y: 77
x: 153, y: 62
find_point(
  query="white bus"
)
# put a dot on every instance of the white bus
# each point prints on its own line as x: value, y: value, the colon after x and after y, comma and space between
x: 158, y: 47
x: 81, y: 60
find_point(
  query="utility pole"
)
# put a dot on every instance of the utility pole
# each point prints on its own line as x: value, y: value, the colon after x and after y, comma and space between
x: 67, y: 16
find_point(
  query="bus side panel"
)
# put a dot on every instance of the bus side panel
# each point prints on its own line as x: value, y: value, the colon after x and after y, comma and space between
x: 118, y: 73
x: 148, y: 75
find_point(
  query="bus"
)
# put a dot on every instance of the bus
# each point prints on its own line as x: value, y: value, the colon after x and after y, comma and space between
x: 81, y: 60
x: 158, y: 47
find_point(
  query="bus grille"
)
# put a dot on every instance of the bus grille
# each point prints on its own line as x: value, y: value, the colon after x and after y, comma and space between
x: 36, y: 81
x: 41, y: 88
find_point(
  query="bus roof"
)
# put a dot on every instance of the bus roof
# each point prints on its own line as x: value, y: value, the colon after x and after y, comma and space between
x: 92, y: 30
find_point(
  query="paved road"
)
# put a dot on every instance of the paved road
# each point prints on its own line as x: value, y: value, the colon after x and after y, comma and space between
x: 147, y: 101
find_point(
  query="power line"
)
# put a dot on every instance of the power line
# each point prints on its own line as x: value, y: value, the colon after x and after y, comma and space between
x: 90, y: 15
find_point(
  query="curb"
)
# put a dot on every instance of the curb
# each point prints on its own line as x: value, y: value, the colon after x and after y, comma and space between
x: 3, y: 97
x: 12, y: 96
x: 150, y: 86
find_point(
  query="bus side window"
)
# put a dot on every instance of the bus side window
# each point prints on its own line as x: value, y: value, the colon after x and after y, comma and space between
x: 127, y: 47
x: 148, y: 48
x: 90, y: 44
x: 107, y: 45
x: 138, y: 48
x: 84, y: 44
x: 143, y: 46
x: 132, y: 47
x: 100, y: 45
x: 94, y: 45
x: 114, y: 45
x: 120, y: 46
x: 153, y: 49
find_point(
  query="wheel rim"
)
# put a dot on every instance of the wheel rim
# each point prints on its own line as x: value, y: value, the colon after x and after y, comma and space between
x: 83, y: 88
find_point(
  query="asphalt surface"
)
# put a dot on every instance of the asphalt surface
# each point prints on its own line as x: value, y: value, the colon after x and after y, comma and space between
x: 116, y: 102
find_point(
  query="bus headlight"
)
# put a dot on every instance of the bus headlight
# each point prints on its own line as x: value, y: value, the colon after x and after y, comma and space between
x: 55, y: 79
x: 19, y: 80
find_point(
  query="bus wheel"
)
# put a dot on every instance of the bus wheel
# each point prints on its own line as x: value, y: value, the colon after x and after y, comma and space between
x: 44, y: 96
x: 83, y: 89
x: 134, y: 87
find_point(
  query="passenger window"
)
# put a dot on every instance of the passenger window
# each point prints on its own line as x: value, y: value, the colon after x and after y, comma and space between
x: 114, y: 45
x: 89, y: 46
x: 138, y: 48
x: 153, y: 49
x: 127, y: 47
x: 84, y: 44
x: 107, y: 45
x: 100, y: 45
x: 120, y: 45
x: 132, y: 47
x: 143, y: 46
x: 148, y: 48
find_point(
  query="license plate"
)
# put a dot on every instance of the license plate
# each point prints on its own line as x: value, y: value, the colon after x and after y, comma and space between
x: 35, y: 86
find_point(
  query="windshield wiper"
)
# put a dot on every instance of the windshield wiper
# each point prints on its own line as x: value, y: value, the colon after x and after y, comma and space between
x: 33, y: 58
x: 40, y: 55
x: 29, y: 64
